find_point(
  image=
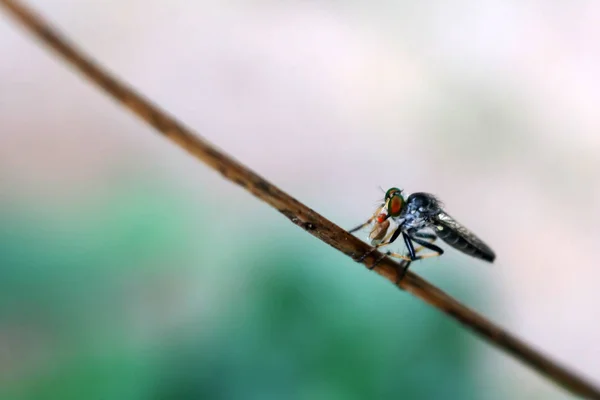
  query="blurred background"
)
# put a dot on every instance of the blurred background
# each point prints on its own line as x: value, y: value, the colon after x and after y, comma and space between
x: 128, y: 270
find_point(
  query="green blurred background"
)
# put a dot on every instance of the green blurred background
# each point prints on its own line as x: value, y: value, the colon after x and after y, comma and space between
x: 130, y: 271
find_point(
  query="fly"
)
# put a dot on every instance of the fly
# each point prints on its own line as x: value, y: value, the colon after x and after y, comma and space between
x: 413, y: 217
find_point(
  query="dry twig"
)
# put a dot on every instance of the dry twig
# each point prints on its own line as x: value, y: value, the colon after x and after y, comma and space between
x: 297, y: 212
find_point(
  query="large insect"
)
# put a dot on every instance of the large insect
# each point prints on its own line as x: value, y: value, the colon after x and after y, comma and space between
x: 413, y: 216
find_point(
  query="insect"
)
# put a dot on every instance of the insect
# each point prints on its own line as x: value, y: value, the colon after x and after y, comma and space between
x: 412, y: 217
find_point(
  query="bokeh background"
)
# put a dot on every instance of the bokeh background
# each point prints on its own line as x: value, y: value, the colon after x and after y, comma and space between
x: 130, y: 271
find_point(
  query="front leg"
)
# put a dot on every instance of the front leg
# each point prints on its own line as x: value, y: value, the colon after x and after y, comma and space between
x: 390, y: 237
x: 386, y: 242
x: 359, y: 227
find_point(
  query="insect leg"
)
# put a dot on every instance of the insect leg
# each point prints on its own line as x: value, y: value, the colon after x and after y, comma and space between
x: 384, y: 243
x: 359, y: 227
x: 420, y: 238
x: 424, y: 235
x: 391, y: 254
x: 408, y: 258
x: 408, y: 239
x: 430, y: 237
x: 391, y: 240
x: 428, y: 245
x: 397, y: 255
x: 409, y: 246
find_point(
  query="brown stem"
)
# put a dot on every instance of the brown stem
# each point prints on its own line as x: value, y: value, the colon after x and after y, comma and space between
x: 297, y: 212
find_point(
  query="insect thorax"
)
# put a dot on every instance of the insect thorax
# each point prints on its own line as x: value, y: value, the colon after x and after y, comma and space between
x: 420, y: 209
x: 415, y: 221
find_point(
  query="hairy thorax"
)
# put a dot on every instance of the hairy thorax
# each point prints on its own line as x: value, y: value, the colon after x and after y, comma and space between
x: 420, y: 208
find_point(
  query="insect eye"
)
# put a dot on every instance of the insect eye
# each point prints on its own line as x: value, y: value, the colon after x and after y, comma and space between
x: 395, y: 205
x: 391, y: 193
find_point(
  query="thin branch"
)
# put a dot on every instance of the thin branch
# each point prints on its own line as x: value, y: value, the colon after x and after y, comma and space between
x: 295, y: 211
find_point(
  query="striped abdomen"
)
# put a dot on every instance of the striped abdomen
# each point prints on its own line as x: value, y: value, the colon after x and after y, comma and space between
x: 457, y: 236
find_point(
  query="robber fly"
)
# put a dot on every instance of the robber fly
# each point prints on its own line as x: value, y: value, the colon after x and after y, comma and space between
x: 412, y: 218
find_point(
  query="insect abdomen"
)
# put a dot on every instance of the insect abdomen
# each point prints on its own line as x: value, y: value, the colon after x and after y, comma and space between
x: 459, y: 242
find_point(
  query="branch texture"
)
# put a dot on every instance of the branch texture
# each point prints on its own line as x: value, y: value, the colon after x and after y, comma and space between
x: 298, y: 213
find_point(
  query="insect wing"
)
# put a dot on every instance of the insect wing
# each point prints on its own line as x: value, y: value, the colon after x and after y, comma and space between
x: 459, y: 237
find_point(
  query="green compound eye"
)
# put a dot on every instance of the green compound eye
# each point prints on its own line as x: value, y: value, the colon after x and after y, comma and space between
x: 394, y: 202
x: 391, y: 192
